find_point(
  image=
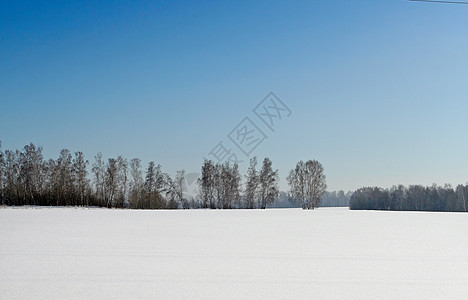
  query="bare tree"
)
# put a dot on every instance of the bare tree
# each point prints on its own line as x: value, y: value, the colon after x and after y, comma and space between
x: 65, y: 180
x: 81, y: 180
x: 316, y: 182
x: 251, y: 185
x: 11, y: 177
x: 297, y: 182
x: 235, y: 187
x: 122, y: 176
x: 268, y: 184
x: 178, y: 189
x: 218, y: 186
x: 223, y: 186
x: 136, y: 183
x: 111, y: 181
x: 170, y: 192
x: 99, y: 171
x: 2, y: 172
x: 307, y: 183
x: 207, y: 184
x: 31, y: 166
x: 154, y: 184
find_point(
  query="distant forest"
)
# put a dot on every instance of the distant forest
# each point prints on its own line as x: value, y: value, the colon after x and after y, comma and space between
x: 412, y: 198
x: 329, y: 199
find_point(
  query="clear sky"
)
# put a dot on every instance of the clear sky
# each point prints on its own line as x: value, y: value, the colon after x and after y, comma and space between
x: 378, y: 89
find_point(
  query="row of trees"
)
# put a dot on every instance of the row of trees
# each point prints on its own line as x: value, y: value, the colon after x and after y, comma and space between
x: 220, y: 185
x: 26, y: 178
x: 412, y: 198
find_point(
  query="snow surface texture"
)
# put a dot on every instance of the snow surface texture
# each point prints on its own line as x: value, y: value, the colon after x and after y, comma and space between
x: 63, y: 253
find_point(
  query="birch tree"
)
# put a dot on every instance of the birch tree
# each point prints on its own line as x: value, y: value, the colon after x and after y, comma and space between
x: 207, y: 184
x: 136, y: 183
x: 307, y: 183
x: 154, y: 183
x: 235, y: 187
x: 99, y: 176
x: 81, y: 179
x: 178, y: 189
x: 297, y: 183
x: 251, y: 185
x: 2, y: 172
x: 316, y: 183
x: 122, y: 177
x: 65, y: 177
x: 268, y: 184
x: 110, y: 181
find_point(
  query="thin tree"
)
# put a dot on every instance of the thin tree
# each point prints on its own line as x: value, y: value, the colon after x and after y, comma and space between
x: 207, y: 184
x: 251, y: 185
x: 316, y: 183
x: 81, y: 181
x: 99, y: 177
x: 235, y: 186
x: 111, y: 181
x: 2, y: 172
x: 154, y: 184
x: 268, y: 184
x: 65, y: 180
x: 297, y: 183
x: 122, y: 177
x: 136, y: 183
x: 178, y: 189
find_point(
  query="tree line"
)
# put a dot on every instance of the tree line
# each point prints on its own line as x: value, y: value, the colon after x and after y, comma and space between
x: 412, y: 198
x: 27, y: 178
x: 336, y: 199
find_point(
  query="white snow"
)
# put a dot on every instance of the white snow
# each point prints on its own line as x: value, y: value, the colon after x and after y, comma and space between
x: 63, y: 253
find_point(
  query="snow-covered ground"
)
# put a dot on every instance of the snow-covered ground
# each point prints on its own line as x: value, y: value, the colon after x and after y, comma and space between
x: 62, y: 253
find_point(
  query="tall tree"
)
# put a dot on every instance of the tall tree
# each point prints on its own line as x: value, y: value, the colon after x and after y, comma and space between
x: 297, y: 183
x: 122, y: 177
x: 136, y: 183
x: 218, y: 186
x: 178, y: 189
x: 154, y: 183
x: 268, y: 184
x: 207, y: 184
x: 235, y: 187
x: 111, y: 181
x: 81, y: 181
x: 316, y: 183
x: 2, y: 174
x: 65, y: 179
x: 223, y: 186
x: 227, y: 185
x: 307, y: 183
x: 251, y: 185
x: 99, y: 171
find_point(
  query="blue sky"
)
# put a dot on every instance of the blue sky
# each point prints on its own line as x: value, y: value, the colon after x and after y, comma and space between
x: 378, y: 89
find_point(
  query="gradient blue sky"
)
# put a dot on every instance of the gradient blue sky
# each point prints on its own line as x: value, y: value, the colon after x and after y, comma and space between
x: 378, y: 89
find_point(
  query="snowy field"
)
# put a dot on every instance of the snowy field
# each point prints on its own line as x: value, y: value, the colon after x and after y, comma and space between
x: 330, y: 253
